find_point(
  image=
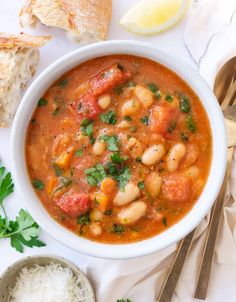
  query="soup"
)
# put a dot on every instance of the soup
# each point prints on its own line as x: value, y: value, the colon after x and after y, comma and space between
x: 118, y: 149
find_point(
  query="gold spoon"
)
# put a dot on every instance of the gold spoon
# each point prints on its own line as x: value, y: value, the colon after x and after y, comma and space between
x: 225, y: 90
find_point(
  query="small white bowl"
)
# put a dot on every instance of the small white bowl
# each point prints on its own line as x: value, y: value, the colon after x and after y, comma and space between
x: 8, y: 278
x: 172, y: 234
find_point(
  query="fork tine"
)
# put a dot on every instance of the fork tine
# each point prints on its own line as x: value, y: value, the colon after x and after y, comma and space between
x: 227, y: 99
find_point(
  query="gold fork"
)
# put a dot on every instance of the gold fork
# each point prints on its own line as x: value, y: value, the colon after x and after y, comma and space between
x: 225, y: 95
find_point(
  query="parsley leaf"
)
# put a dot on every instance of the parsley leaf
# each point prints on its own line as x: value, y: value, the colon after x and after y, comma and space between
x: 84, y: 219
x: 171, y: 127
x: 123, y: 177
x: 153, y: 88
x: 191, y: 125
x: 42, y: 102
x: 118, y: 89
x: 141, y: 185
x: 78, y: 152
x: 117, y: 228
x: 169, y: 98
x: 108, y: 213
x: 145, y: 120
x: 63, y: 83
x: 164, y: 221
x: 184, y: 104
x: 128, y: 118
x: 38, y: 184
x: 117, y: 159
x: 112, y: 141
x: 109, y: 118
x: 123, y: 300
x: 95, y: 174
x: 86, y: 127
x: 58, y: 171
x: 184, y: 137
x: 6, y: 184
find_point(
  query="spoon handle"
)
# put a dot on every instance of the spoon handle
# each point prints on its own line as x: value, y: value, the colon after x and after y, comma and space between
x: 208, y: 252
x: 172, y: 278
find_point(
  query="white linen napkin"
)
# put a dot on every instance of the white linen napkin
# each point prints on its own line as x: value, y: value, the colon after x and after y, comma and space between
x: 211, y: 25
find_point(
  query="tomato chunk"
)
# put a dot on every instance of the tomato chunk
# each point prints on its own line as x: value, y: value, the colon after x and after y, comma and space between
x: 74, y: 204
x: 107, y: 79
x: 85, y: 107
x: 176, y: 188
x: 162, y: 119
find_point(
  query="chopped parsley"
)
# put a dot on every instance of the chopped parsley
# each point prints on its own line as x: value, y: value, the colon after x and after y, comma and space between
x: 141, y: 185
x: 63, y: 83
x: 42, y: 102
x: 171, y: 127
x: 108, y: 213
x: 38, y: 184
x: 111, y: 140
x: 128, y: 118
x: 109, y: 118
x: 118, y: 89
x: 64, y: 182
x: 184, y: 137
x: 58, y: 171
x: 190, y: 123
x: 84, y: 219
x: 86, y: 127
x: 169, y: 98
x: 123, y: 300
x: 95, y: 174
x: 117, y: 228
x: 78, y: 152
x: 145, y: 120
x: 118, y: 172
x: 184, y: 104
x: 164, y: 221
x: 153, y: 88
x: 117, y: 159
x: 55, y: 111
x: 138, y: 160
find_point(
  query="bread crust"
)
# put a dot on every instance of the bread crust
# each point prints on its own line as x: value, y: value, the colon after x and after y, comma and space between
x: 86, y: 20
x: 10, y: 41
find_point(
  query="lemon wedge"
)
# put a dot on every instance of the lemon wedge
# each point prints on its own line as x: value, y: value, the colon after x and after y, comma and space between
x: 153, y: 16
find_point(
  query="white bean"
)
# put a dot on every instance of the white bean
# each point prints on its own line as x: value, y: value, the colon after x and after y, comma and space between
x: 134, y: 147
x: 153, y: 154
x: 130, y: 107
x: 99, y: 148
x: 96, y: 215
x: 176, y: 153
x: 95, y: 228
x: 153, y: 184
x: 144, y: 96
x: 124, y: 125
x: 192, y: 172
x: 132, y: 213
x: 130, y: 192
x: 104, y: 101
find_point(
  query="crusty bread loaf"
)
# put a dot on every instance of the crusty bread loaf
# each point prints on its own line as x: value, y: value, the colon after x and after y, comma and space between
x: 19, y: 57
x: 84, y: 20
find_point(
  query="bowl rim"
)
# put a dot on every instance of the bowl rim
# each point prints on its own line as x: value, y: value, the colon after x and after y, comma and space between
x: 173, y: 233
x: 25, y: 261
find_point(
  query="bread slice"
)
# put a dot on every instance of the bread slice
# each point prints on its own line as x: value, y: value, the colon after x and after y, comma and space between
x: 19, y: 57
x: 84, y: 20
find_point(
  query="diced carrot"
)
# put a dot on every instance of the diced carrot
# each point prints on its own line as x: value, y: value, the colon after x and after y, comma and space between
x: 63, y: 161
x: 108, y: 185
x: 101, y: 200
x: 51, y: 184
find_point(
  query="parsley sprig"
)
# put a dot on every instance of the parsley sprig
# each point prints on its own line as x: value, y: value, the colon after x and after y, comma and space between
x: 111, y: 140
x: 23, y: 231
x: 86, y: 127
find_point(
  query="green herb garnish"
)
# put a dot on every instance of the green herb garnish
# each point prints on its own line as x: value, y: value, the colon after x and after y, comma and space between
x: 109, y: 118
x: 184, y: 104
x: 42, y: 102
x: 78, y: 152
x: 58, y: 171
x: 144, y: 120
x: 117, y: 228
x: 120, y: 173
x: 64, y: 183
x: 38, y: 184
x: 171, y: 127
x: 56, y: 111
x: 63, y: 83
x: 169, y: 98
x: 138, y: 160
x: 123, y: 300
x: 141, y: 185
x: 164, y: 221
x: 117, y: 159
x: 111, y: 140
x: 24, y: 230
x: 128, y: 118
x: 153, y: 88
x: 84, y: 219
x: 118, y: 89
x: 191, y: 125
x: 86, y: 127
x: 95, y: 174
x: 108, y: 213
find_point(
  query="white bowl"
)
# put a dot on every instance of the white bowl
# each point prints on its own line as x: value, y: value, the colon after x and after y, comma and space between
x: 147, y: 246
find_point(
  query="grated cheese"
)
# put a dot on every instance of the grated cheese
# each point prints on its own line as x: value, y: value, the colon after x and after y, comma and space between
x: 50, y: 283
